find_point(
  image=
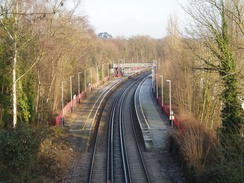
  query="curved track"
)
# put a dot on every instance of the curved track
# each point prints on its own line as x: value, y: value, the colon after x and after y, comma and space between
x: 90, y: 124
x: 122, y: 161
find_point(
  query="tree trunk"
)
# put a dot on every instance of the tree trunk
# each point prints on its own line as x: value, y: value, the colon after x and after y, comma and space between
x: 14, y: 68
x: 14, y: 86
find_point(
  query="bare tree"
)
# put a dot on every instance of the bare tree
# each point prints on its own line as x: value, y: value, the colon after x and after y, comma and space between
x: 212, y: 28
x: 15, y: 8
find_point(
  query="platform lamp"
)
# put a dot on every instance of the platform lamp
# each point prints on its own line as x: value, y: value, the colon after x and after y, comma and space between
x: 171, y: 113
x: 79, y: 84
x: 162, y: 89
x: 71, y: 91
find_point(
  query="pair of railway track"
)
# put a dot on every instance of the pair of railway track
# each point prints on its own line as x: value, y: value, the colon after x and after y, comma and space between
x: 88, y: 129
x: 122, y: 161
x: 90, y: 122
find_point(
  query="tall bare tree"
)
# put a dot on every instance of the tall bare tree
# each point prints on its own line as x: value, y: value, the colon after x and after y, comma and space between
x: 212, y: 29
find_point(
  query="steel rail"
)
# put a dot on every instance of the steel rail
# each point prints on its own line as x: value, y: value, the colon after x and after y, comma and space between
x: 136, y: 95
x: 117, y: 104
x: 140, y: 151
x: 104, y: 94
x: 95, y: 115
x: 102, y: 97
x: 107, y: 90
x: 126, y: 166
x: 110, y: 155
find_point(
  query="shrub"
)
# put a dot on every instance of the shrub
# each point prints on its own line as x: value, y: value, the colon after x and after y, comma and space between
x: 205, y: 158
x: 18, y: 152
x: 55, y: 157
x: 195, y: 145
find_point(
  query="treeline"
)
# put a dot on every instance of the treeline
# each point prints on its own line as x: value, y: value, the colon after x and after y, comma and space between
x: 205, y: 65
x: 199, y: 62
x: 42, y: 44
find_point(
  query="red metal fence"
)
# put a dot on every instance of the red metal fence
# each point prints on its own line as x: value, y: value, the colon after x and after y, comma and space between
x: 71, y: 105
x: 68, y: 108
x: 166, y: 110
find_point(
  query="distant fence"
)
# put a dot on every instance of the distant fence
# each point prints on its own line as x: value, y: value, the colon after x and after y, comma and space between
x: 72, y: 104
x: 68, y: 108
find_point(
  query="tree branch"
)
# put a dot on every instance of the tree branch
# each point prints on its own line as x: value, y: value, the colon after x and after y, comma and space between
x: 28, y: 69
x: 205, y: 69
x: 6, y: 29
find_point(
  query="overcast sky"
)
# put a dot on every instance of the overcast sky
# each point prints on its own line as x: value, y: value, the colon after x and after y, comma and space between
x: 131, y: 17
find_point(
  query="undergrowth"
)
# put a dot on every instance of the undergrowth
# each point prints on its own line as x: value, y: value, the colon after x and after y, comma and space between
x: 29, y: 154
x: 204, y: 158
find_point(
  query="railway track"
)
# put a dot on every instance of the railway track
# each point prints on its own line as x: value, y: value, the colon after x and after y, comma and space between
x: 88, y: 130
x: 122, y: 161
x: 89, y: 125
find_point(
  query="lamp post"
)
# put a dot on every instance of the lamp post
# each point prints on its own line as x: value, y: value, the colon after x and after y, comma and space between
x: 85, y: 80
x: 97, y: 74
x: 153, y: 78
x: 79, y: 84
x: 90, y: 76
x: 156, y: 82
x: 156, y: 78
x: 62, y: 118
x: 108, y: 72
x: 124, y: 67
x: 171, y: 117
x: 162, y: 89
x: 117, y: 67
x: 62, y: 102
x: 71, y: 91
x: 102, y: 73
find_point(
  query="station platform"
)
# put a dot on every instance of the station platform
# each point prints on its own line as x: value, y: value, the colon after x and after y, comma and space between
x: 157, y: 121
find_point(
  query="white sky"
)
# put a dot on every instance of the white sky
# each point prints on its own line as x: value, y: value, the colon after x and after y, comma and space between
x: 132, y: 17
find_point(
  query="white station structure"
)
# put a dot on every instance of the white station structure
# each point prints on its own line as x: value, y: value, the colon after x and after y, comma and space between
x: 128, y: 68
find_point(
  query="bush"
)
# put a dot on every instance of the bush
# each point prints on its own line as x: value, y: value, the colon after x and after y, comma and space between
x: 55, y: 157
x: 205, y: 158
x: 228, y: 166
x: 223, y: 172
x: 18, y: 152
x: 195, y: 145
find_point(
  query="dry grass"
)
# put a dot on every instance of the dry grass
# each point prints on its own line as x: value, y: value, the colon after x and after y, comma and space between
x: 204, y: 158
x: 196, y: 144
x: 54, y: 159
